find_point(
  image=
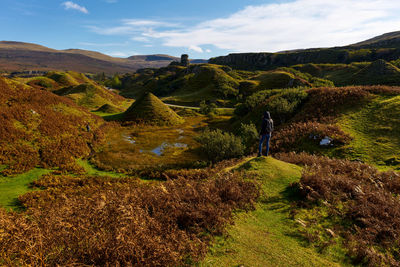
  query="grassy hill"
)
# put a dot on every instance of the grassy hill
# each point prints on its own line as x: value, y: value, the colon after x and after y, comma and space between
x: 268, y: 236
x: 149, y: 109
x: 90, y: 95
x: 212, y: 83
x: 312, y: 216
x: 362, y: 121
x: 39, y: 128
x: 378, y: 72
x: 375, y: 130
x: 78, y: 87
x: 107, y: 108
x: 18, y: 56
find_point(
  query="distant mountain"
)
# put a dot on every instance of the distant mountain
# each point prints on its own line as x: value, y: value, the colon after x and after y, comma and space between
x: 154, y: 58
x: 18, y: 56
x: 165, y: 58
x: 386, y: 47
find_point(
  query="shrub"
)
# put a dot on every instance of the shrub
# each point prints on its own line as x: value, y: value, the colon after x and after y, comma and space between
x: 121, y: 222
x: 247, y: 87
x: 284, y: 105
x: 207, y: 109
x: 323, y: 104
x: 362, y: 204
x: 249, y: 135
x: 218, y: 145
x: 254, y: 101
x: 115, y: 82
x: 294, y: 136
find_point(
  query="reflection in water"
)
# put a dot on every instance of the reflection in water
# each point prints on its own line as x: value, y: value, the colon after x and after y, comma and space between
x: 129, y: 139
x: 160, y: 149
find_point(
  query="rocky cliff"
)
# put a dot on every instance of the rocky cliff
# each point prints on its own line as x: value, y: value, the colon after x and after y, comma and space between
x: 265, y: 61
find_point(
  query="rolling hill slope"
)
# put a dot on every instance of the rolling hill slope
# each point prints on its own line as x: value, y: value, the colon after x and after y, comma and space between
x: 391, y: 39
x: 18, y: 56
x: 41, y: 129
x: 76, y: 86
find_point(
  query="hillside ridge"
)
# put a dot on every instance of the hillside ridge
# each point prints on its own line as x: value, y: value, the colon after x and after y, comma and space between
x: 386, y: 47
x: 21, y: 56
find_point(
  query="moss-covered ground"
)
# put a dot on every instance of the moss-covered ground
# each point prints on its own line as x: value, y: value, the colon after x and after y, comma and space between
x: 140, y: 146
x: 93, y: 171
x: 268, y: 236
x: 12, y: 187
x: 375, y: 128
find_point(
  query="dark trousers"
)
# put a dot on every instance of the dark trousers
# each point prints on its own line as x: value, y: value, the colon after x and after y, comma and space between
x: 264, y: 138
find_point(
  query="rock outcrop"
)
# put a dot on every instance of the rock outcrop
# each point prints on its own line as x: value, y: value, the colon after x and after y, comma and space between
x: 266, y: 61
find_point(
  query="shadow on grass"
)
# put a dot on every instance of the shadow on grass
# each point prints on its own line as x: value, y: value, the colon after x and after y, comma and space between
x: 115, y: 117
x: 16, y: 205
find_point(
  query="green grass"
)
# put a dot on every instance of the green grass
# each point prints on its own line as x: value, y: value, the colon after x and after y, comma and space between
x: 150, y: 109
x: 268, y: 236
x: 12, y: 187
x: 375, y: 129
x: 92, y: 170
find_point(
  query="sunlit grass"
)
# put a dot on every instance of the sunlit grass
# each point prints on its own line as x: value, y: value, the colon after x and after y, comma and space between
x: 12, y: 187
x: 268, y: 236
x: 375, y: 129
x: 93, y: 171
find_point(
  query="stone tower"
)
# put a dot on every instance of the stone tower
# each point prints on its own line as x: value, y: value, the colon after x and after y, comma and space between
x: 185, y: 60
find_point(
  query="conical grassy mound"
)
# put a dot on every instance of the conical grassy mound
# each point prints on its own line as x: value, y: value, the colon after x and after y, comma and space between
x: 90, y: 95
x: 107, y: 108
x: 150, y: 109
x: 378, y: 72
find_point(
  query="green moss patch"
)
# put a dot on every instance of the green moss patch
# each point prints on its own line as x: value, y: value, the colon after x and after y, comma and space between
x: 375, y: 129
x: 12, y: 187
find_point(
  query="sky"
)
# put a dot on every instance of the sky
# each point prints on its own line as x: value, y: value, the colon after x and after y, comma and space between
x: 201, y: 28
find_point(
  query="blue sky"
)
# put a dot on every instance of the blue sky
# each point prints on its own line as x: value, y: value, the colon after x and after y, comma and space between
x: 201, y: 28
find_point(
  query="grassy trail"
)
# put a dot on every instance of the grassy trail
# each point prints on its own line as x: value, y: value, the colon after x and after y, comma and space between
x: 12, y: 187
x: 93, y: 171
x: 267, y: 236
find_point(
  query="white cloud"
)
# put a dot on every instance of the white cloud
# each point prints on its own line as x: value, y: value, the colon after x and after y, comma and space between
x: 208, y: 51
x: 290, y: 25
x: 134, y: 26
x: 196, y: 48
x: 140, y: 39
x: 71, y: 5
x: 148, y: 23
x: 119, y: 30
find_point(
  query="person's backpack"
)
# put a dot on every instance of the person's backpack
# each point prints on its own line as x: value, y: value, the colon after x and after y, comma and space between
x: 269, y: 126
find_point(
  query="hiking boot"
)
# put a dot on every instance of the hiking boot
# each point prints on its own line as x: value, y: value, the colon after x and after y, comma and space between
x: 259, y: 155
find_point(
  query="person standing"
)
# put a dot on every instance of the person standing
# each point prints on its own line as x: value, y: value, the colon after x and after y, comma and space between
x: 265, y: 134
